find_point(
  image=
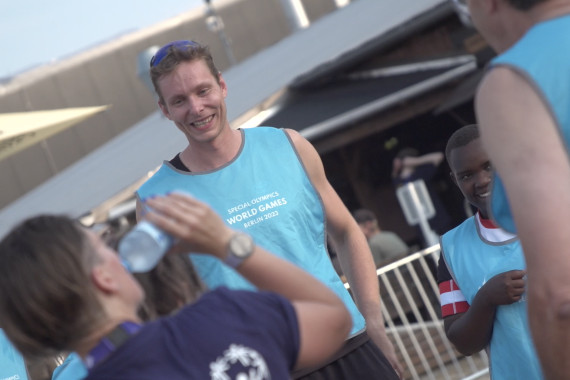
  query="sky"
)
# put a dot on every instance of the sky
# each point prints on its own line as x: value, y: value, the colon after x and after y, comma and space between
x: 33, y: 32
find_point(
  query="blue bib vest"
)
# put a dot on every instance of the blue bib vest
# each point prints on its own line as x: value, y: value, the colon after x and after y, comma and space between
x: 541, y: 56
x: 72, y: 368
x: 265, y: 192
x: 472, y: 261
x: 12, y: 365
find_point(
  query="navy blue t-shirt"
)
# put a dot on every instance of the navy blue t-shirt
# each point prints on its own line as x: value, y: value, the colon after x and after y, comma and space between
x: 224, y: 334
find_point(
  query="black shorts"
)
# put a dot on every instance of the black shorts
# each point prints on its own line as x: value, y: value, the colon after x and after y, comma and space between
x: 358, y: 359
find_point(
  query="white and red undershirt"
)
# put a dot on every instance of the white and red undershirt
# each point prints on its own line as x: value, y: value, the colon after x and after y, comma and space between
x: 451, y: 298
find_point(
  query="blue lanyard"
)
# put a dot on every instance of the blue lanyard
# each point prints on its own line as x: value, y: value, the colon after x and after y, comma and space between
x: 110, y: 343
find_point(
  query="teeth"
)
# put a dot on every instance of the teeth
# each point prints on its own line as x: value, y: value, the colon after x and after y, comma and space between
x: 485, y: 195
x: 203, y: 122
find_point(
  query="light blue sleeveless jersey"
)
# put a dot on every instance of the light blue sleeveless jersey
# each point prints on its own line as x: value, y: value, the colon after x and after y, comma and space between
x: 12, y: 365
x: 72, y: 368
x: 542, y: 56
x: 472, y: 261
x: 265, y: 192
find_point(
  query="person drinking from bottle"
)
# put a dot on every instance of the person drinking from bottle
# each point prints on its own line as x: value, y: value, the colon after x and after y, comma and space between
x: 63, y: 289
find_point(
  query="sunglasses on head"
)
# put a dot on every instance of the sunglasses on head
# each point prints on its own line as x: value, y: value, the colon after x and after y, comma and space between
x: 163, y: 51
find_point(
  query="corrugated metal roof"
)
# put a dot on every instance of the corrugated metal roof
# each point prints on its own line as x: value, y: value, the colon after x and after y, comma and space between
x: 131, y: 155
x: 345, y: 101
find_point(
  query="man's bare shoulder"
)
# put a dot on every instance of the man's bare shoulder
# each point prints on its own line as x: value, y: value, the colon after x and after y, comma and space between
x: 294, y: 135
x: 501, y: 81
x: 512, y: 112
x: 302, y: 145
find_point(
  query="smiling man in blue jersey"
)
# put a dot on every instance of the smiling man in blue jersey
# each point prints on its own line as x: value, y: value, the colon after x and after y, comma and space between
x: 271, y: 184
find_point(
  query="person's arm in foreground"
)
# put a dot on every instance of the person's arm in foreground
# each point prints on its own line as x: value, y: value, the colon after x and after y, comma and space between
x: 526, y: 149
x: 434, y: 158
x: 352, y: 249
x: 138, y: 210
x: 471, y: 331
x: 324, y: 321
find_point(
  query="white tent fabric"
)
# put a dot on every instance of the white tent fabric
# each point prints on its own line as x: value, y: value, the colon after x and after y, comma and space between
x: 19, y: 130
x: 140, y: 149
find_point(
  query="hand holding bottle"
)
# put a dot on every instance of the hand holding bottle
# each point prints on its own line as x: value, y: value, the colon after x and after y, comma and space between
x: 198, y: 227
x: 143, y: 247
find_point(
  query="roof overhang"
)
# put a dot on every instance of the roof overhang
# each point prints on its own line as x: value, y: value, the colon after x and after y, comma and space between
x: 19, y: 130
x: 319, y: 112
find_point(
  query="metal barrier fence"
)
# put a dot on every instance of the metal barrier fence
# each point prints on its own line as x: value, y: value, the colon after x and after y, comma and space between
x: 411, y: 309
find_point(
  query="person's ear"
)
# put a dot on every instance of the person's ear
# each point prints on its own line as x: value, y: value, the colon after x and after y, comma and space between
x: 103, y: 280
x: 453, y: 178
x: 490, y: 6
x: 164, y: 109
x: 223, y: 85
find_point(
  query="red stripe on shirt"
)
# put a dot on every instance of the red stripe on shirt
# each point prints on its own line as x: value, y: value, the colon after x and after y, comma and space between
x: 450, y: 290
x: 487, y: 223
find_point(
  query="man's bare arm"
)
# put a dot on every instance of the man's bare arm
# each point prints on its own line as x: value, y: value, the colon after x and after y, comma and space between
x: 352, y: 248
x: 525, y: 146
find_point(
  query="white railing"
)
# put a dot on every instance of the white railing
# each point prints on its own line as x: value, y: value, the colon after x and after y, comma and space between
x: 411, y: 309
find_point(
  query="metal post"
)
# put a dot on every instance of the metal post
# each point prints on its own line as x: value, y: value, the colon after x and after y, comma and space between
x: 296, y: 14
x: 215, y: 24
x: 341, y: 3
x: 418, y: 208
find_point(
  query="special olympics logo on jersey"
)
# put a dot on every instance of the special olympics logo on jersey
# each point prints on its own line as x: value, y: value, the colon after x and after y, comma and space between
x: 253, y: 366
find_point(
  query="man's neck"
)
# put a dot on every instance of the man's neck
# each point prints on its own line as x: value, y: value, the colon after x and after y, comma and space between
x: 550, y: 9
x: 201, y: 157
x: 520, y: 22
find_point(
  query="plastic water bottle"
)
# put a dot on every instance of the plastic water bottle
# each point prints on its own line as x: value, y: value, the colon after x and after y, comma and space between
x: 143, y: 247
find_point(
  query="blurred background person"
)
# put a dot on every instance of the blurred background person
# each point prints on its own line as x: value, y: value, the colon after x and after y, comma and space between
x: 409, y: 166
x: 386, y: 246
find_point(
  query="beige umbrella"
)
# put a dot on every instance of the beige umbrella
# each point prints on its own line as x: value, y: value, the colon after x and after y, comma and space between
x: 20, y: 130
